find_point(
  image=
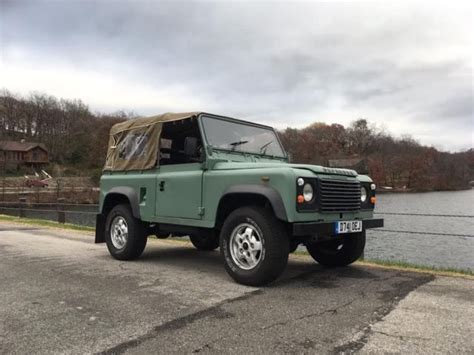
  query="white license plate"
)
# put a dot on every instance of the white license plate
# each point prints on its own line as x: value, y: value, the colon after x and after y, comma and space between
x: 348, y: 227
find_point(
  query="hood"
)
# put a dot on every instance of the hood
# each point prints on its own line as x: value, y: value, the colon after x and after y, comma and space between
x: 317, y: 169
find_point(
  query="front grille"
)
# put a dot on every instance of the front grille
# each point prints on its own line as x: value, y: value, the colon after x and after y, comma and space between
x: 339, y: 195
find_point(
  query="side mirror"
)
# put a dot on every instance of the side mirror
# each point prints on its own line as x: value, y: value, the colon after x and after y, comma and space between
x: 190, y: 146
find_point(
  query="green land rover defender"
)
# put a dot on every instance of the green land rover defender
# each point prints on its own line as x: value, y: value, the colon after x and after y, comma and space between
x: 227, y: 183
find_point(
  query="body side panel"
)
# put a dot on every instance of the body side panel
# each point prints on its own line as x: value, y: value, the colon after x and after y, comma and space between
x: 218, y: 183
x: 143, y: 184
x: 178, y: 191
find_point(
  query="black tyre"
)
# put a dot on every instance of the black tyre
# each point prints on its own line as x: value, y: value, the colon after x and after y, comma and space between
x: 340, y: 252
x: 293, y: 246
x: 125, y: 235
x: 205, y: 242
x: 254, y: 246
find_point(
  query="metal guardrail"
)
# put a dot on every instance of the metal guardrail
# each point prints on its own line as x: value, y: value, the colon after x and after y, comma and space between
x: 23, y: 207
x: 423, y: 233
x: 425, y: 214
x: 48, y: 211
x: 97, y: 206
x: 49, y: 204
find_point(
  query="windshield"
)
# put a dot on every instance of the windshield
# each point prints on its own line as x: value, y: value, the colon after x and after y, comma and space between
x: 241, y: 137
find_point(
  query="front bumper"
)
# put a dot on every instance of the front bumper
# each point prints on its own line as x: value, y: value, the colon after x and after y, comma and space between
x: 327, y: 228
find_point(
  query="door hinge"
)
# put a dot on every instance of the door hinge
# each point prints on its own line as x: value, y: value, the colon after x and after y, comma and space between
x: 201, y: 211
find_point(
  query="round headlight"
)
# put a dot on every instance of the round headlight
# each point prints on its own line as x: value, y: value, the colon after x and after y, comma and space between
x: 307, y: 192
x: 363, y: 194
x: 300, y: 181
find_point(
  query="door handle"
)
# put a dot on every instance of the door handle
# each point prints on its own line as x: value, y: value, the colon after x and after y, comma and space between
x: 162, y: 186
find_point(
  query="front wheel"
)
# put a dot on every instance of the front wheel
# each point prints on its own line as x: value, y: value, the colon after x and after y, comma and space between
x: 125, y: 235
x: 340, y: 252
x: 254, y: 246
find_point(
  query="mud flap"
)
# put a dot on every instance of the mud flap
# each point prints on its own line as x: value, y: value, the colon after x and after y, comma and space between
x: 100, y: 228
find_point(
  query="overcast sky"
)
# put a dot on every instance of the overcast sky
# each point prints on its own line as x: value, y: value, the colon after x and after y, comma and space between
x: 407, y: 67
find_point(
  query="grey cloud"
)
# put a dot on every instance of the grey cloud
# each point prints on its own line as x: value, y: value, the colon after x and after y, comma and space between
x: 270, y: 60
x: 460, y: 108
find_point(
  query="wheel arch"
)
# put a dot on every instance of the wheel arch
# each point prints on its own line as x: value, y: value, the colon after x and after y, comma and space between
x: 246, y: 195
x: 119, y: 195
x: 115, y: 196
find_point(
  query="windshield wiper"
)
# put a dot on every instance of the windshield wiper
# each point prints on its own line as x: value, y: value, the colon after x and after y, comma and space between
x: 235, y: 144
x: 263, y: 148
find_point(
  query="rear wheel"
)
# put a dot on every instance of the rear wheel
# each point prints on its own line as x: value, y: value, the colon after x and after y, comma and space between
x: 340, y: 252
x: 254, y: 246
x: 125, y: 235
x: 205, y: 242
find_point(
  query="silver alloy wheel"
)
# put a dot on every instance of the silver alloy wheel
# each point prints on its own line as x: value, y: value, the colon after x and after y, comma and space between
x: 119, y: 232
x: 246, y: 247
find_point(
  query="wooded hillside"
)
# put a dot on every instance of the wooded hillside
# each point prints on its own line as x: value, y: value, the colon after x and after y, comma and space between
x: 77, y: 137
x: 396, y: 162
x: 71, y: 132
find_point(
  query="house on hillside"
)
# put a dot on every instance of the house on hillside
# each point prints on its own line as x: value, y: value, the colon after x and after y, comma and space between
x: 15, y: 154
x: 358, y: 164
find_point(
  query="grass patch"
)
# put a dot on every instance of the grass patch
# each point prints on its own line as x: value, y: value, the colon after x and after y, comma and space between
x: 46, y: 223
x: 416, y: 267
x: 403, y: 265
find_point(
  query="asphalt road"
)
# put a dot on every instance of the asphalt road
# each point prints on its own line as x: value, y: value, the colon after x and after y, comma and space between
x: 60, y: 293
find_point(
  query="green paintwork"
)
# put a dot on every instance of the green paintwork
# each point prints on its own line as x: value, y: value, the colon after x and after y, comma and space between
x: 192, y: 192
x: 181, y: 183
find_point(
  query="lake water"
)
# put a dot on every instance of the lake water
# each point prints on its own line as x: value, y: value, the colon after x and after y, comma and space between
x: 430, y: 250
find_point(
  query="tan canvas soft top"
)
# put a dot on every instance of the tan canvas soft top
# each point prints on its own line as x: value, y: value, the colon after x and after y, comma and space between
x: 134, y: 144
